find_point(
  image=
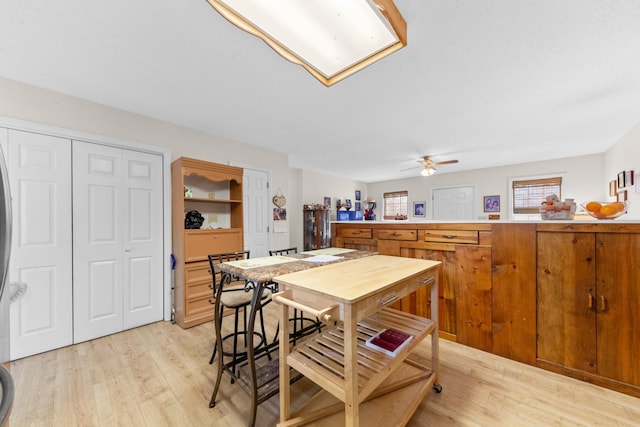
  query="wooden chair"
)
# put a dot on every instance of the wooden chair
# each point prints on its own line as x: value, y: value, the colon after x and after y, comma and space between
x: 234, y: 296
x: 298, y: 319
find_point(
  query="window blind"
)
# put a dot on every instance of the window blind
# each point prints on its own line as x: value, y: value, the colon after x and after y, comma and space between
x: 529, y: 194
x: 395, y: 203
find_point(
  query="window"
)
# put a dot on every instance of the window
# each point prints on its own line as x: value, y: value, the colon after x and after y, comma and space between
x: 528, y: 194
x: 395, y: 204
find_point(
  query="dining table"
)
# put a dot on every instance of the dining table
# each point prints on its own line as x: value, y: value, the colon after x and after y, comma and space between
x: 261, y: 382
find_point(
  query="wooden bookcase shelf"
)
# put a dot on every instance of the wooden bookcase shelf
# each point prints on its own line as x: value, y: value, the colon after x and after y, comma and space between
x: 216, y: 193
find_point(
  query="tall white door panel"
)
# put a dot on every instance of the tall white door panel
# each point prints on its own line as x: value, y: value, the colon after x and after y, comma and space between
x: 40, y: 176
x: 98, y: 214
x: 118, y: 239
x: 255, y: 191
x: 143, y: 238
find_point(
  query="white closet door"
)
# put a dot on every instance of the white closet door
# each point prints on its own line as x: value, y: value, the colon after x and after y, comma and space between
x: 117, y: 239
x: 98, y: 214
x: 143, y: 238
x: 40, y: 176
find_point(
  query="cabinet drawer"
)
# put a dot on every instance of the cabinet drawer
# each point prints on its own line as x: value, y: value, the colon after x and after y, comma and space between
x: 199, y: 307
x: 361, y: 233
x: 200, y: 243
x: 451, y: 236
x: 196, y: 272
x: 407, y: 235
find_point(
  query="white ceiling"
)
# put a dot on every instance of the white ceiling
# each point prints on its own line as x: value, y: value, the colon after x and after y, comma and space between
x: 488, y: 82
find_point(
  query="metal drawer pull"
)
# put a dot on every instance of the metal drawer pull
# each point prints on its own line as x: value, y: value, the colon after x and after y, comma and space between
x: 448, y: 236
x: 590, y: 303
x: 427, y: 280
x: 326, y: 315
x: 389, y: 300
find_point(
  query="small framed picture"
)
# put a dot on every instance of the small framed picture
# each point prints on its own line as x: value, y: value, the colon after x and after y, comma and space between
x: 621, y: 180
x: 628, y: 178
x: 491, y: 203
x: 327, y: 202
x: 613, y: 187
x: 418, y: 209
x: 357, y: 195
x: 622, y: 196
x: 358, y: 206
x: 347, y: 202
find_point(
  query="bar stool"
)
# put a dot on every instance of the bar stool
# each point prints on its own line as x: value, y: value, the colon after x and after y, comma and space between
x: 234, y: 296
x: 298, y: 319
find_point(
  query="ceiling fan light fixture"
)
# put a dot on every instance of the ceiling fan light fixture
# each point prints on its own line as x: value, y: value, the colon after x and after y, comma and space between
x: 427, y: 171
x: 331, y: 39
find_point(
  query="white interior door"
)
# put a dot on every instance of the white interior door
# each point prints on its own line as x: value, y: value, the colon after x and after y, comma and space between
x: 40, y: 176
x: 256, y: 212
x: 143, y: 239
x: 98, y: 215
x: 454, y: 203
x: 117, y: 239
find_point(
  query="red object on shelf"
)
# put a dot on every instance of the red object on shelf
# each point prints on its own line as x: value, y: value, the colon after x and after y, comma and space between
x: 389, y: 341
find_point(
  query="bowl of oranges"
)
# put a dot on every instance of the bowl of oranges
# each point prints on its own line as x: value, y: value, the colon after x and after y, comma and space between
x: 605, y: 210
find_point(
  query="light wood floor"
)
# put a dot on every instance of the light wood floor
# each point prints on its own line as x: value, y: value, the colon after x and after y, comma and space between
x: 158, y: 375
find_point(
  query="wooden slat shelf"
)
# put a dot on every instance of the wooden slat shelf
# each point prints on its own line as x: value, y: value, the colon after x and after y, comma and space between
x: 323, y: 355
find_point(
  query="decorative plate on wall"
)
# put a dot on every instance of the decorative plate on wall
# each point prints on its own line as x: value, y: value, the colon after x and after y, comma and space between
x: 279, y: 200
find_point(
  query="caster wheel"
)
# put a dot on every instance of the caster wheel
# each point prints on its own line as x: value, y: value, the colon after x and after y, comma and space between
x: 437, y: 388
x: 233, y: 381
x: 211, y: 405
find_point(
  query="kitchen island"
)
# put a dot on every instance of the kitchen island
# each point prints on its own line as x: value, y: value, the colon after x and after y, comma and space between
x: 539, y: 292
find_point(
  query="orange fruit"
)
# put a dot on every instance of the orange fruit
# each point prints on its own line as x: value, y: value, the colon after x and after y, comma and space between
x: 619, y: 206
x: 609, y: 210
x: 593, y: 206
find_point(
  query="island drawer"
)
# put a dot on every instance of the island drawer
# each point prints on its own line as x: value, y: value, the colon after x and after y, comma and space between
x: 406, y: 235
x: 452, y: 236
x: 360, y: 233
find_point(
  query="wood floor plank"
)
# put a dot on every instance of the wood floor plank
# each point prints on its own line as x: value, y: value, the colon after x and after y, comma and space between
x: 159, y: 375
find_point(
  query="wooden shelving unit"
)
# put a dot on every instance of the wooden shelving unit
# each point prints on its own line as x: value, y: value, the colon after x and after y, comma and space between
x: 350, y: 373
x: 215, y: 191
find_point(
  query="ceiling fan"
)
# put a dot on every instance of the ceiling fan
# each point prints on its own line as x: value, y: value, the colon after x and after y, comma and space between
x: 429, y: 165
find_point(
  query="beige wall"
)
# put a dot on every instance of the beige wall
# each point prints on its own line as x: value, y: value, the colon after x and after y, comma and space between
x: 311, y: 188
x: 20, y: 101
x: 624, y: 156
x: 584, y: 180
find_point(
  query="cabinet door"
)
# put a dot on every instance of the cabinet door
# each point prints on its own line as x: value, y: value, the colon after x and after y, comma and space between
x: 566, y: 320
x: 446, y: 292
x: 40, y: 178
x: 473, y: 296
x: 618, y: 303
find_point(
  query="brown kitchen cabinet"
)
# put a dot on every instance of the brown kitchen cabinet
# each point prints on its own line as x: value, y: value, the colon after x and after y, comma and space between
x: 215, y: 191
x: 465, y: 271
x: 588, y: 317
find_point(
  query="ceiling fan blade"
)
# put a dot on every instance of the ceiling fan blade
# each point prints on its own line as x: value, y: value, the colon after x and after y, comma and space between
x: 446, y: 162
x: 413, y: 167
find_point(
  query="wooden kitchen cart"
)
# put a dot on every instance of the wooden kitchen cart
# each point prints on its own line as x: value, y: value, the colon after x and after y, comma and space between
x: 351, y: 298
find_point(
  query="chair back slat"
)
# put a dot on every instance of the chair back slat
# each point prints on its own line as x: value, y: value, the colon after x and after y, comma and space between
x: 216, y: 273
x: 287, y: 251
